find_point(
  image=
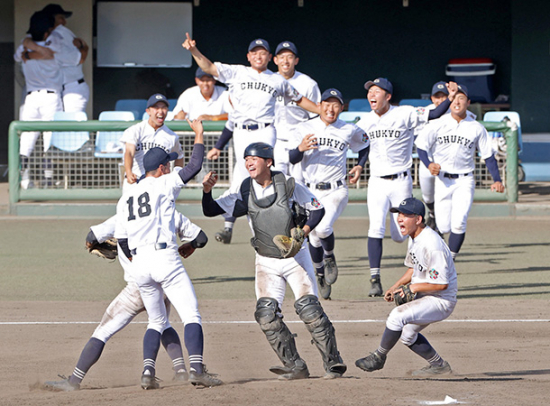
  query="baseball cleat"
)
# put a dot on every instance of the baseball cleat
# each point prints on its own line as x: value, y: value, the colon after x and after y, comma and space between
x: 205, y: 379
x: 149, y: 382
x: 331, y: 271
x: 324, y: 289
x: 432, y: 370
x: 224, y: 236
x: 63, y: 385
x: 336, y: 371
x: 181, y: 376
x: 376, y: 287
x: 371, y: 362
x: 430, y: 221
x: 298, y: 371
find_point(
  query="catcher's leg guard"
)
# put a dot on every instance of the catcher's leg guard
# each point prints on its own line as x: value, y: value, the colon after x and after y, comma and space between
x: 281, y: 339
x: 317, y: 322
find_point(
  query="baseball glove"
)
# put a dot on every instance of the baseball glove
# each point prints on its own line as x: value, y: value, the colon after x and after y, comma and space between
x: 289, y: 246
x: 186, y: 250
x: 106, y: 250
x: 408, y: 296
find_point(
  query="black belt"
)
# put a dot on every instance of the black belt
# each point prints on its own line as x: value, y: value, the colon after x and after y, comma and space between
x: 47, y: 91
x: 158, y: 246
x: 251, y: 127
x: 79, y: 81
x: 454, y: 175
x: 326, y: 185
x: 395, y: 176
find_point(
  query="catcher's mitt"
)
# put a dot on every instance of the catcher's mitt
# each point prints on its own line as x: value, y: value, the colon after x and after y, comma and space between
x: 107, y: 249
x: 408, y: 296
x: 186, y: 250
x: 289, y: 246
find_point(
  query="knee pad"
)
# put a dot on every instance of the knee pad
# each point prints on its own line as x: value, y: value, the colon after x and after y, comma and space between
x: 266, y: 314
x: 310, y: 311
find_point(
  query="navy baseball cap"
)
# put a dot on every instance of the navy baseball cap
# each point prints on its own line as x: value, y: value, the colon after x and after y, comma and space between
x: 157, y: 156
x: 55, y: 9
x: 156, y: 98
x: 286, y: 45
x: 40, y: 23
x: 440, y: 87
x: 327, y: 94
x: 410, y: 206
x: 200, y: 73
x: 463, y: 89
x: 382, y: 83
x: 259, y: 43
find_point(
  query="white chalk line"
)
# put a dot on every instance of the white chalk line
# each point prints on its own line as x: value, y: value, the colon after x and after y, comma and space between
x: 34, y: 323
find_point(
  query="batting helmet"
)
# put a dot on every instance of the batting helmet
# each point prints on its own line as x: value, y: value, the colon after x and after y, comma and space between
x: 260, y: 149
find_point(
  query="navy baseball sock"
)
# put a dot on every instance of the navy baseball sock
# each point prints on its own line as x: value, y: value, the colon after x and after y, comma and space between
x: 455, y: 242
x: 88, y: 357
x: 151, y: 345
x: 328, y: 246
x: 194, y: 342
x: 388, y: 341
x: 317, y: 258
x: 171, y: 342
x: 423, y: 348
x: 374, y: 247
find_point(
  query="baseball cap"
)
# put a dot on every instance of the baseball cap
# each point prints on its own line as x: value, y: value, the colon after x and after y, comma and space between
x: 327, y: 94
x: 286, y: 45
x: 410, y: 206
x: 382, y: 83
x: 155, y: 98
x: 259, y: 43
x: 40, y: 23
x: 157, y: 156
x: 54, y: 9
x: 463, y: 89
x: 440, y: 87
x: 200, y: 73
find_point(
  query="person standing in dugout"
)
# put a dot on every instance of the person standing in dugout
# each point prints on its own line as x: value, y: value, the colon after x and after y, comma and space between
x: 268, y: 198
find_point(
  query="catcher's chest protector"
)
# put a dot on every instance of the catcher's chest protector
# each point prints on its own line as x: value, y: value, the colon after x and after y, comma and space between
x: 271, y: 216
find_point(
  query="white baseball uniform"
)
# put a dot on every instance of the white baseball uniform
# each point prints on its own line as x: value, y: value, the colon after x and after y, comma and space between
x: 391, y: 140
x: 146, y: 217
x: 288, y: 116
x: 272, y: 274
x: 144, y: 137
x: 192, y: 102
x: 253, y: 96
x: 432, y: 262
x: 325, y: 170
x: 76, y: 91
x: 453, y: 145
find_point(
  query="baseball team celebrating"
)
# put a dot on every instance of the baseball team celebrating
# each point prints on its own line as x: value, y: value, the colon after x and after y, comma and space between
x: 291, y: 181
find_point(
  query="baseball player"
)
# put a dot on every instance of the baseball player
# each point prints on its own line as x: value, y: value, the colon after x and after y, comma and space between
x: 323, y: 145
x: 141, y: 137
x: 431, y: 278
x: 288, y: 116
x: 268, y: 197
x: 76, y: 92
x: 253, y: 91
x: 146, y: 232
x: 453, y: 140
x: 205, y: 101
x: 123, y: 309
x: 390, y: 130
x: 44, y: 82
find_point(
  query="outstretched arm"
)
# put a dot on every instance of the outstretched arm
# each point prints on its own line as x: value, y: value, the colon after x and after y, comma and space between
x: 204, y: 63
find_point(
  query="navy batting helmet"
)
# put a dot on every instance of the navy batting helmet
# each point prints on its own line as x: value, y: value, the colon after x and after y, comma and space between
x: 260, y: 149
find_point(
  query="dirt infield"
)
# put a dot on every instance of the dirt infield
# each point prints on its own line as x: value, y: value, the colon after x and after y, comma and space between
x: 496, y: 340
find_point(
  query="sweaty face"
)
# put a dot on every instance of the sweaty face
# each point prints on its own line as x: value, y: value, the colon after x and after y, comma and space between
x: 157, y: 114
x: 438, y: 98
x: 330, y: 109
x: 408, y: 223
x: 286, y: 61
x: 379, y: 99
x: 459, y: 105
x: 206, y: 85
x: 257, y: 167
x: 259, y: 58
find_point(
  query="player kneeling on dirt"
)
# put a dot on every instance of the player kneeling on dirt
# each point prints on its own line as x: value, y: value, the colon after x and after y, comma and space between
x: 276, y: 209
x: 425, y: 294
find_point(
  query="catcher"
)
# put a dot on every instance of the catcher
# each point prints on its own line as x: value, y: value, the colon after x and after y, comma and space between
x: 277, y: 211
x: 425, y: 294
